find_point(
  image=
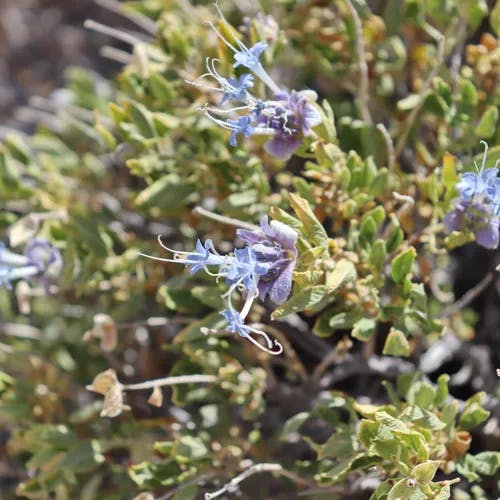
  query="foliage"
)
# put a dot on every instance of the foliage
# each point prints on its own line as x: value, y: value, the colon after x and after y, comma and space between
x: 366, y: 193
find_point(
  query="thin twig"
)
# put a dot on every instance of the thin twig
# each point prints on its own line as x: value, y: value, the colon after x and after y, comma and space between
x: 224, y: 220
x: 290, y: 352
x: 332, y: 357
x: 182, y: 379
x: 391, y: 157
x: 139, y: 19
x: 232, y: 486
x: 410, y: 120
x: 197, y: 481
x: 363, y: 96
x: 112, y: 32
x: 115, y: 54
x: 468, y: 297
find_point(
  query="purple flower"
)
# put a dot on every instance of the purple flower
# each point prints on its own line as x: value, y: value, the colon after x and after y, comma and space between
x: 291, y: 116
x: 47, y: 258
x: 275, y: 246
x: 476, y: 217
x: 40, y: 260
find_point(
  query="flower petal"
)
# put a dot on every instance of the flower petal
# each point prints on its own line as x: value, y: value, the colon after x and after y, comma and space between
x: 284, y: 235
x: 281, y: 147
x: 282, y: 286
x: 488, y: 236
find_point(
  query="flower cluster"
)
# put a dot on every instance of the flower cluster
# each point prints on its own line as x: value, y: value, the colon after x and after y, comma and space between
x: 263, y: 268
x: 286, y: 118
x: 40, y: 260
x: 478, y: 207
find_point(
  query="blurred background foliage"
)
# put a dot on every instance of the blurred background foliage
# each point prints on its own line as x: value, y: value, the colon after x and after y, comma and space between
x: 386, y: 383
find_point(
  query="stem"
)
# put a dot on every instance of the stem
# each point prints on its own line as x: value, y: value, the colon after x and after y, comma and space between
x: 231, y: 487
x: 410, y: 120
x: 363, y: 96
x: 159, y: 382
x: 120, y: 56
x: 468, y: 297
x: 224, y: 220
x: 112, y: 32
x: 140, y: 20
x: 391, y: 157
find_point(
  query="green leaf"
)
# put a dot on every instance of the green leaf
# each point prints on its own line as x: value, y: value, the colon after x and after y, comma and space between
x: 292, y: 425
x: 338, y: 445
x: 367, y: 232
x: 312, y: 228
x: 343, y: 273
x: 425, y: 471
x: 495, y: 18
x: 326, y: 129
x: 487, y: 462
x: 142, y: 118
x: 167, y: 193
x: 190, y: 448
x: 444, y: 493
x: 409, y: 102
x: 406, y: 489
x: 488, y: 122
x: 89, y: 233
x: 344, y: 320
x: 473, y: 415
x: 364, y: 329
x: 378, y: 254
x: 383, y: 489
x: 441, y: 389
x: 421, y: 394
x: 402, y: 264
x: 305, y: 299
x: 423, y: 417
x: 396, y: 237
x: 368, y: 432
x: 396, y: 344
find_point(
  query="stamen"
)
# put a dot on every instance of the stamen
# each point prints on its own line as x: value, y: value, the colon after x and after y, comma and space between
x: 227, y: 111
x: 217, y: 32
x: 484, y: 154
x: 265, y: 349
x: 248, y: 304
x: 157, y: 258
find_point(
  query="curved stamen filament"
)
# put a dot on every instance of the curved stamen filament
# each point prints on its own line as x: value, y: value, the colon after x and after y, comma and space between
x: 269, y: 343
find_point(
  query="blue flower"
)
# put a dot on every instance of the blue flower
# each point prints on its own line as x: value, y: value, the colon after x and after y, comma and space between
x: 243, y: 125
x: 249, y: 57
x: 237, y: 88
x: 478, y: 206
x: 263, y: 267
x: 235, y: 323
x: 246, y: 269
x: 286, y: 118
x: 204, y: 256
